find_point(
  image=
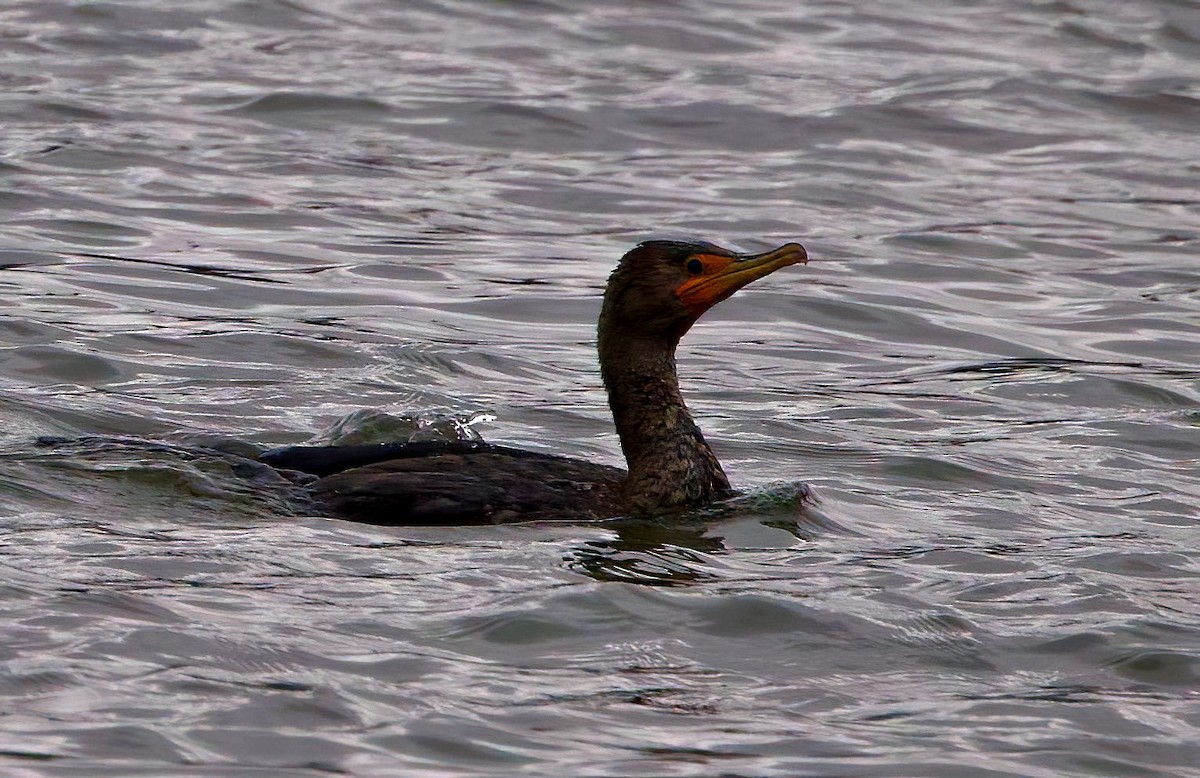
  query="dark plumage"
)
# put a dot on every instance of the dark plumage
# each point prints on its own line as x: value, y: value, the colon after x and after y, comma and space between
x: 657, y: 292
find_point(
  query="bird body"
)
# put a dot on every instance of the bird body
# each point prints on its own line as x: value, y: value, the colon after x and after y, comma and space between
x: 657, y: 292
x: 491, y: 484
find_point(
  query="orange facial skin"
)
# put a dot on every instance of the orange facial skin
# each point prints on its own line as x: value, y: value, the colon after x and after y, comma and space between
x: 721, y: 276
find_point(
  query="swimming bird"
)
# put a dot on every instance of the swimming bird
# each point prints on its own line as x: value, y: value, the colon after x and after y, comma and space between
x: 653, y: 297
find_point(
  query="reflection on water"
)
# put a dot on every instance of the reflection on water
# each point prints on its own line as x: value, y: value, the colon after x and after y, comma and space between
x: 679, y: 551
x: 230, y: 227
x: 649, y: 553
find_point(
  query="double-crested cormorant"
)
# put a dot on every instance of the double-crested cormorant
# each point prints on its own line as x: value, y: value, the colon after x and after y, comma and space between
x: 657, y: 292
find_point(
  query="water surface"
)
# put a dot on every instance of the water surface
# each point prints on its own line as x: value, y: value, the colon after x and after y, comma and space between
x: 237, y: 223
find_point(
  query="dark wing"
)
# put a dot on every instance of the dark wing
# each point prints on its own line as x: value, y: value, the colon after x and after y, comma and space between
x: 327, y: 460
x: 489, y: 485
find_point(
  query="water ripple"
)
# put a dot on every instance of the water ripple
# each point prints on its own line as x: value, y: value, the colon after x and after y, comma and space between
x: 233, y: 226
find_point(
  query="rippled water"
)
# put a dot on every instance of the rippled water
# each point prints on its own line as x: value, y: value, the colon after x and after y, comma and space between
x: 234, y: 224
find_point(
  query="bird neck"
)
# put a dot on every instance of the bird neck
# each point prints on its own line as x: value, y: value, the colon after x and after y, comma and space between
x: 670, y: 464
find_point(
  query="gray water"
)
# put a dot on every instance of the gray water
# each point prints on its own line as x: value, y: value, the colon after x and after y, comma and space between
x: 240, y: 223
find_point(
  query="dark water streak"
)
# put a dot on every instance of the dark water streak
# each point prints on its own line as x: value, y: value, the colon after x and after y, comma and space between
x: 231, y: 225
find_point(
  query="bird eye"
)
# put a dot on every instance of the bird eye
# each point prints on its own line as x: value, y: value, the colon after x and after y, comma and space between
x: 695, y: 266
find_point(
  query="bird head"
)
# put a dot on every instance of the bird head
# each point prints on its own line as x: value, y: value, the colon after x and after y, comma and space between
x: 660, y: 288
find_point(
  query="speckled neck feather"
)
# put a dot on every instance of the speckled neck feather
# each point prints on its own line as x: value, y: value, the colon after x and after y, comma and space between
x: 670, y: 464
